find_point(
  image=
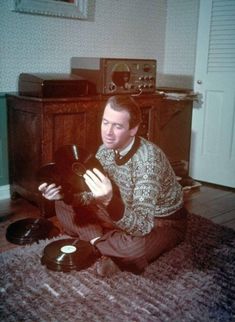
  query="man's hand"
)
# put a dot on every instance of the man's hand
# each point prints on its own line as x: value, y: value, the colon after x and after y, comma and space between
x: 100, y: 186
x: 50, y: 192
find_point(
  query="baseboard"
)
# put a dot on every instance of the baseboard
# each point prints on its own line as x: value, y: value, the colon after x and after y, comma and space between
x: 5, y: 192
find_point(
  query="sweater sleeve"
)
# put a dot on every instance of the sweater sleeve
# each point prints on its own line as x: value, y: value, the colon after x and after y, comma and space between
x: 116, y: 206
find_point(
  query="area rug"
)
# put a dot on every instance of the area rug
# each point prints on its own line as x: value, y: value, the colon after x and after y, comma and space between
x: 193, y: 282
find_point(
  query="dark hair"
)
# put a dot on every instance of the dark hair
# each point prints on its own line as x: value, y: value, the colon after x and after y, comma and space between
x: 126, y: 103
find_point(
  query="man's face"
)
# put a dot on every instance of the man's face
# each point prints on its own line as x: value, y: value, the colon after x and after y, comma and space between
x: 115, y: 130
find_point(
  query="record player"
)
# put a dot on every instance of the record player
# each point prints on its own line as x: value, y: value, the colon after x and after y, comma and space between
x: 53, y: 85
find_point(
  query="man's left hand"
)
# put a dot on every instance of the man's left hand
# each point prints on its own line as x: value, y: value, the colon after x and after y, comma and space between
x: 100, y: 185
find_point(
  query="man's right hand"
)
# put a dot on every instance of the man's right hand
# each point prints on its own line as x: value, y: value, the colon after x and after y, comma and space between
x: 51, y: 192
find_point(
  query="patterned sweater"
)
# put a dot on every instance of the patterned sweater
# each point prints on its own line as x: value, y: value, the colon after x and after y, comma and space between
x: 147, y: 184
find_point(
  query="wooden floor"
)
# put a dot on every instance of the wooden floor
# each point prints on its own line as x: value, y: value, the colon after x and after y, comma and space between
x: 213, y: 202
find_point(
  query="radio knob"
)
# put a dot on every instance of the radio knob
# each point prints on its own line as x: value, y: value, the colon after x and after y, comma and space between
x: 128, y: 86
x: 112, y: 87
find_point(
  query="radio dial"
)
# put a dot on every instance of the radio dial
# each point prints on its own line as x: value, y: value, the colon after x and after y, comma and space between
x: 120, y: 74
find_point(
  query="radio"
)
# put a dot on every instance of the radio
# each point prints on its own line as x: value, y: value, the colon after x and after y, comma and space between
x: 117, y: 75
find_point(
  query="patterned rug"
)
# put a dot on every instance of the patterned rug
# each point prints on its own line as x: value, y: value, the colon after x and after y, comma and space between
x: 193, y: 282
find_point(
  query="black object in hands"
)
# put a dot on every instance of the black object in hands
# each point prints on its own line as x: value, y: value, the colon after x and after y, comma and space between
x: 70, y: 163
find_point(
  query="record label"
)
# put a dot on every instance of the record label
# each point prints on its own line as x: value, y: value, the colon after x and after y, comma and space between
x: 68, y: 249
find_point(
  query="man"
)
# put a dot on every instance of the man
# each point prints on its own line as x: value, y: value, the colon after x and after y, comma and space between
x: 141, y: 219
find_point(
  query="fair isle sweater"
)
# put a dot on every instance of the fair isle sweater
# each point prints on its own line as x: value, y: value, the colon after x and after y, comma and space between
x: 147, y: 185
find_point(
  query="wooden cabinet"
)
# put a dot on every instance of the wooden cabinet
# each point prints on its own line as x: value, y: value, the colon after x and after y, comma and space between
x: 38, y: 127
x: 3, y: 144
x: 167, y: 123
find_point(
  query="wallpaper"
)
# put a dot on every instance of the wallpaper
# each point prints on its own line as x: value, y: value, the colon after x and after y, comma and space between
x: 165, y: 30
x: 121, y: 28
x: 180, y: 42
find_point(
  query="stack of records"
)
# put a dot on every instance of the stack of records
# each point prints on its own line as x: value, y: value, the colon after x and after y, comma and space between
x: 30, y: 230
x: 69, y: 254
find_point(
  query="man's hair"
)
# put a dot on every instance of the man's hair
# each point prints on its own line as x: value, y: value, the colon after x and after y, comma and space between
x: 126, y: 103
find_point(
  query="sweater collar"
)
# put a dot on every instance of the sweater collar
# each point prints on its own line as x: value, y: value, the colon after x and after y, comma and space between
x: 128, y: 152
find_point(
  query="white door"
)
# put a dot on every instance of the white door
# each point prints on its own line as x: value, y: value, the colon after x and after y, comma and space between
x: 213, y: 126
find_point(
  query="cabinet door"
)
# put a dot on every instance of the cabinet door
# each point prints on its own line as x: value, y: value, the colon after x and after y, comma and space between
x: 71, y: 123
x: 173, y: 120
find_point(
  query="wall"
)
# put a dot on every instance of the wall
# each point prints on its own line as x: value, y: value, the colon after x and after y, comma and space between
x: 180, y: 43
x: 161, y: 29
x: 121, y: 28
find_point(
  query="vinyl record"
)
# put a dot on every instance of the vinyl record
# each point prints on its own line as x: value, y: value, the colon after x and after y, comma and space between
x: 69, y: 254
x: 70, y: 163
x: 30, y: 230
x: 75, y: 158
x: 48, y: 173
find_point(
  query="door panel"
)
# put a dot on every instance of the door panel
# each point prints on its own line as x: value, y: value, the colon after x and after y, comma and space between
x: 213, y: 125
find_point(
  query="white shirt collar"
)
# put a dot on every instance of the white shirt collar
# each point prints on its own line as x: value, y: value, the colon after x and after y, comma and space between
x: 127, y: 148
